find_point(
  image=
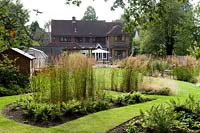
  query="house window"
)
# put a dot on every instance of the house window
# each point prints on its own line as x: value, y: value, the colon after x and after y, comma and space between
x: 61, y: 39
x: 123, y: 38
x: 104, y: 55
x: 67, y: 39
x: 119, y: 38
x: 119, y: 54
x: 87, y: 39
x: 100, y: 39
x: 54, y: 39
x: 93, y: 40
x: 78, y: 39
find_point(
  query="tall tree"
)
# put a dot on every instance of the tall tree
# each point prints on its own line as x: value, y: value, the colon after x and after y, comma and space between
x: 90, y: 14
x: 13, y: 32
x: 47, y: 27
x: 39, y: 35
x: 168, y: 23
x: 172, y: 31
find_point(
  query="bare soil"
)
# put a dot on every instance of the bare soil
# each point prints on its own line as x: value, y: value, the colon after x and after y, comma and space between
x: 18, y: 115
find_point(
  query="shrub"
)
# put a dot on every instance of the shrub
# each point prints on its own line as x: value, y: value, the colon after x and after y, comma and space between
x: 127, y: 99
x: 40, y: 111
x: 172, y: 117
x: 11, y: 79
x: 194, y: 51
x: 75, y: 107
x: 163, y: 91
x: 184, y: 74
x: 185, y: 68
x: 159, y: 118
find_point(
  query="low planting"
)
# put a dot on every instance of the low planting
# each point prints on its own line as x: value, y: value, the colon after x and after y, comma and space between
x: 127, y: 99
x: 168, y: 118
x: 46, y: 115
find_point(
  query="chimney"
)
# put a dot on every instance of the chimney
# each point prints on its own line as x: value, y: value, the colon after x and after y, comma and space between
x: 74, y: 25
x: 73, y: 19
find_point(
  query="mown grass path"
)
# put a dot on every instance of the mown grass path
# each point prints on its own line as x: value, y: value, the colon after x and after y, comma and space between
x: 94, y: 123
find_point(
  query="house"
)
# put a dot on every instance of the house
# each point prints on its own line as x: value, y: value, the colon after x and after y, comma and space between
x: 86, y: 36
x: 24, y: 61
x: 41, y: 59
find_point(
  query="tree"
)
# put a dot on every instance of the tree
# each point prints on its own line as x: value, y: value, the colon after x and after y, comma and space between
x: 168, y: 23
x: 90, y: 14
x: 39, y: 35
x: 172, y: 31
x: 197, y: 23
x: 47, y: 28
x: 13, y: 32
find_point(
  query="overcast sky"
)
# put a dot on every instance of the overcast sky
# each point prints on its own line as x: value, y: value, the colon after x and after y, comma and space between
x: 56, y: 9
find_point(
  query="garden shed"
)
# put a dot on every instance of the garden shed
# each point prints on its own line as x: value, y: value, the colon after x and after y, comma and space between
x: 41, y: 59
x: 24, y: 61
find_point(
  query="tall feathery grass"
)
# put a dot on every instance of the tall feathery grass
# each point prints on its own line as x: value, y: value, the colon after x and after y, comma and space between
x: 128, y: 77
x: 71, y: 78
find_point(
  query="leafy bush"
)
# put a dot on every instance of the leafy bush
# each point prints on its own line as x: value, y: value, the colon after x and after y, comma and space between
x: 184, y: 74
x: 12, y: 91
x: 163, y: 91
x: 11, y: 79
x: 194, y: 51
x: 42, y: 112
x: 159, y: 119
x: 75, y: 107
x: 172, y: 117
x: 127, y: 99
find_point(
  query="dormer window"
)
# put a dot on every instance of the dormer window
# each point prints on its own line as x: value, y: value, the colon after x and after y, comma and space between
x: 87, y: 39
x: 54, y: 39
x: 78, y: 39
x: 119, y: 38
x: 67, y: 39
x: 61, y: 39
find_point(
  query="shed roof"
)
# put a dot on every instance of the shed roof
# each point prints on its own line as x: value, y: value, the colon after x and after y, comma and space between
x: 37, y: 50
x: 23, y: 53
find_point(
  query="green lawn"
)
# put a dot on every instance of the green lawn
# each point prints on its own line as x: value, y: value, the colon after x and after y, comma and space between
x: 97, y: 122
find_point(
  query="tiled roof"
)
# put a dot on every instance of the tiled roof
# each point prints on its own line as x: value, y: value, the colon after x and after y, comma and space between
x: 66, y: 45
x: 115, y: 30
x: 82, y: 28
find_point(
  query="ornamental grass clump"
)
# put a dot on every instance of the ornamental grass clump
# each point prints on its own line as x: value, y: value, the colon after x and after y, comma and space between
x: 71, y: 77
x: 131, y: 73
